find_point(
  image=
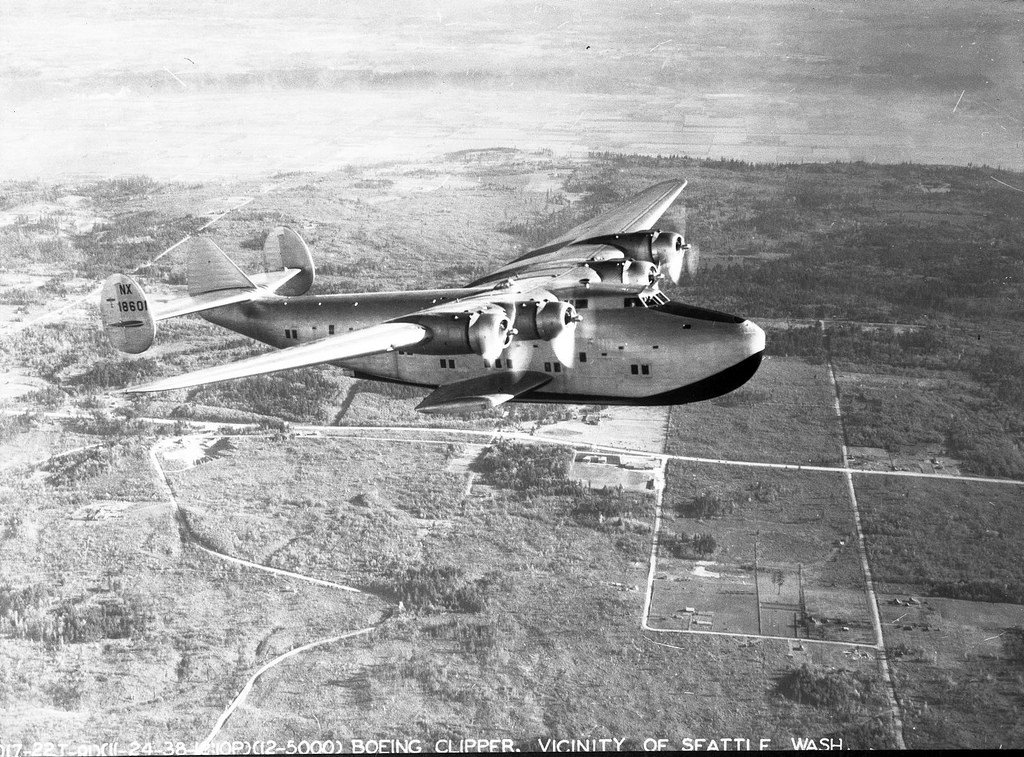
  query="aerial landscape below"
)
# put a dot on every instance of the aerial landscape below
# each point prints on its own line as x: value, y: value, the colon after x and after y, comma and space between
x: 824, y: 554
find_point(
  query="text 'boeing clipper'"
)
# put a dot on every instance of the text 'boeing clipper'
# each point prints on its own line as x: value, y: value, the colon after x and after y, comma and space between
x: 581, y: 319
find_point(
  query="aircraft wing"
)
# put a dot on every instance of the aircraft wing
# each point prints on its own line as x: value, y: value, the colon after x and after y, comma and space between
x: 384, y: 337
x: 570, y: 249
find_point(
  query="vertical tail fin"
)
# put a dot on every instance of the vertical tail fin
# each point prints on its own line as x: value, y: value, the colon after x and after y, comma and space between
x: 124, y: 311
x: 211, y: 270
x: 284, y: 250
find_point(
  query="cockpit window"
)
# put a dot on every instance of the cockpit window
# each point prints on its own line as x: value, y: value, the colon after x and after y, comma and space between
x: 698, y: 314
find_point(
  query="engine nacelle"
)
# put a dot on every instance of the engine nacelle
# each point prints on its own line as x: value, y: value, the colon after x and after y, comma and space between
x: 544, y: 320
x: 634, y: 272
x: 665, y: 249
x: 673, y: 256
x: 484, y: 332
x: 489, y: 334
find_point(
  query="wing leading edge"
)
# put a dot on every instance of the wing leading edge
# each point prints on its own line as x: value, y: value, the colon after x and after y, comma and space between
x: 638, y: 213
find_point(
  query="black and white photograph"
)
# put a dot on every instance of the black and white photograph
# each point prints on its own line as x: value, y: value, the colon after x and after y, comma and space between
x: 521, y: 376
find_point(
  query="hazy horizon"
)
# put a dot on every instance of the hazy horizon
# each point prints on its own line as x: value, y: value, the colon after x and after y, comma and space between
x: 247, y: 89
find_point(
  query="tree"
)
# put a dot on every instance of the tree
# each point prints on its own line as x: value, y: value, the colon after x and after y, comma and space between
x: 704, y: 544
x: 778, y: 578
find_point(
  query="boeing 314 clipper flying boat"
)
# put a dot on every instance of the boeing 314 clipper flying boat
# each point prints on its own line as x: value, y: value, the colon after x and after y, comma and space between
x: 581, y: 319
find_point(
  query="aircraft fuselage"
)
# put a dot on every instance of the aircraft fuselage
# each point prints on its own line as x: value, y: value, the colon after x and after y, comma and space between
x: 625, y: 353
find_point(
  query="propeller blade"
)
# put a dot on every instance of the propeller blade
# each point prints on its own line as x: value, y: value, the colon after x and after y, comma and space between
x: 564, y: 344
x: 673, y: 265
x: 692, y: 260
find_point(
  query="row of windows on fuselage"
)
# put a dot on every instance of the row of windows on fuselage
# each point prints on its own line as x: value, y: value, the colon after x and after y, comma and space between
x: 627, y: 302
x: 636, y: 369
x: 294, y: 333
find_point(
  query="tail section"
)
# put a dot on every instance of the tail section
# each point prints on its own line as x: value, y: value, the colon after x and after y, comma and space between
x: 213, y: 281
x: 284, y: 250
x: 124, y: 311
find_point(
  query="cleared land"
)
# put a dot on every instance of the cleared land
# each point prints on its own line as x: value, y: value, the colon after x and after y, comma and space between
x: 785, y: 545
x: 784, y: 416
x: 958, y: 669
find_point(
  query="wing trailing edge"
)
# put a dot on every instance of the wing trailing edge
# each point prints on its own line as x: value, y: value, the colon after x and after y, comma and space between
x: 384, y: 337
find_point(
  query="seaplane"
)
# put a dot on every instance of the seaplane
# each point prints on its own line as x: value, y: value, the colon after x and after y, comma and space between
x: 581, y: 319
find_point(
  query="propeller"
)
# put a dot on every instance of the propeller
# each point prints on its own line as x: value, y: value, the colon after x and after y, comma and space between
x: 671, y: 264
x: 673, y: 255
x: 691, y: 252
x: 692, y: 259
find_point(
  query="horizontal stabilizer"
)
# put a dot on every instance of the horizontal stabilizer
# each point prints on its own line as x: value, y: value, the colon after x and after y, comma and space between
x: 277, y: 281
x: 481, y: 392
x: 205, y: 301
x: 374, y: 339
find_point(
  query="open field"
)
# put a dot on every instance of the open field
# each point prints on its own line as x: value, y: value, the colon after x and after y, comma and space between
x: 344, y: 509
x: 944, y: 539
x: 784, y: 415
x: 958, y: 670
x: 792, y: 534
